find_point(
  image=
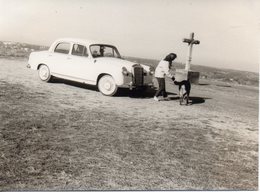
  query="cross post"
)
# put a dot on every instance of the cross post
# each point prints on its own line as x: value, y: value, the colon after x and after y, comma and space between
x: 191, y: 41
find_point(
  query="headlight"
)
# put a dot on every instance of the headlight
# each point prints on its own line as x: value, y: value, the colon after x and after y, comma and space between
x: 124, y: 71
x: 151, y: 70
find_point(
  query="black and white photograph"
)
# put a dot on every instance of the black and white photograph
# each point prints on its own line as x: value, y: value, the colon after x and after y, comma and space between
x: 147, y: 95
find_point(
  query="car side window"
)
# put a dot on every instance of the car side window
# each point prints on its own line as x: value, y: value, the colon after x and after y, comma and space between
x: 62, y: 48
x: 79, y: 50
x: 100, y: 50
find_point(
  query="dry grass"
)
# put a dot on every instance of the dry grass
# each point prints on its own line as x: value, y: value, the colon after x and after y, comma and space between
x: 78, y: 139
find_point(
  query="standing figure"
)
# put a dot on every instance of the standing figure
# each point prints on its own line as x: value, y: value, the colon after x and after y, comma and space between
x: 162, y: 70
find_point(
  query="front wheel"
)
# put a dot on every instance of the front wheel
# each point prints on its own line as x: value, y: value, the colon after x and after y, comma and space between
x: 107, y: 85
x: 44, y: 73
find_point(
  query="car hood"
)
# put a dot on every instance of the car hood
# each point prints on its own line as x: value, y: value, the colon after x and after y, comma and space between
x: 118, y: 62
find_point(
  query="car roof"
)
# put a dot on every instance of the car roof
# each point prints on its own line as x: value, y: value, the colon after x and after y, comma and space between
x: 81, y: 41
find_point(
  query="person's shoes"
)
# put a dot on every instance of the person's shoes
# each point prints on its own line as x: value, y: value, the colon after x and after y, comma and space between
x: 156, y: 98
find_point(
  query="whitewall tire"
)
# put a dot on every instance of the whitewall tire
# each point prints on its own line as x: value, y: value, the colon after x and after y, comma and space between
x: 44, y: 73
x: 107, y: 85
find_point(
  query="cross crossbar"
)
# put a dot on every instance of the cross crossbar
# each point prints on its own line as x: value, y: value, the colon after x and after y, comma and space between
x: 191, y: 40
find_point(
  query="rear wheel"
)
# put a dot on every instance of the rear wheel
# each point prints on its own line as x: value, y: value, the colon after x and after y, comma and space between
x: 44, y: 73
x: 107, y: 85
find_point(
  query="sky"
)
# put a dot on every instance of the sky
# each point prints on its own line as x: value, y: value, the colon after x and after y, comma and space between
x: 228, y: 30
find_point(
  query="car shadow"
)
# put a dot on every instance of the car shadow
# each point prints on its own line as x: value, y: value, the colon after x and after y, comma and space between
x: 125, y: 92
x: 122, y: 92
x: 138, y: 93
x: 135, y: 93
x: 75, y: 84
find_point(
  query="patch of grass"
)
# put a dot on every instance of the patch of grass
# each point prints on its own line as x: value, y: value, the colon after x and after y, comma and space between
x: 48, y: 147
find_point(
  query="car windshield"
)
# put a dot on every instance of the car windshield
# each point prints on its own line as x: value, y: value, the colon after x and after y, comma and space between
x: 100, y: 50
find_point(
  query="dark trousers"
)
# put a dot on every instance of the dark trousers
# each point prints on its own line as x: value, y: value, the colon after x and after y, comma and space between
x: 161, y: 90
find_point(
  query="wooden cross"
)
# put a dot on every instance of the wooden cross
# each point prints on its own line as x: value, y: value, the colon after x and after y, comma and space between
x: 190, y: 42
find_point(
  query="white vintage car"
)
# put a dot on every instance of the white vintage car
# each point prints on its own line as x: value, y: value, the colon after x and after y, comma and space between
x: 92, y: 63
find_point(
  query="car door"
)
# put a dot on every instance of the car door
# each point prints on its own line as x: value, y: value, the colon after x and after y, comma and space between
x: 59, y: 59
x: 81, y: 65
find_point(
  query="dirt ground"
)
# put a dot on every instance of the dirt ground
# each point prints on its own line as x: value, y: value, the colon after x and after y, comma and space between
x: 67, y: 136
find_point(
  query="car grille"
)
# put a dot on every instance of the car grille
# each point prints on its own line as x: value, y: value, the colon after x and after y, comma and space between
x: 138, y: 77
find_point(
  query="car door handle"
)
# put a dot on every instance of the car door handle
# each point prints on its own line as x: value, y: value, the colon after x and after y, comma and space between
x: 68, y: 58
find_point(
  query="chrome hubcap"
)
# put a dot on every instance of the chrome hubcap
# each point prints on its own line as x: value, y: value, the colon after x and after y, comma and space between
x: 107, y: 85
x: 44, y: 73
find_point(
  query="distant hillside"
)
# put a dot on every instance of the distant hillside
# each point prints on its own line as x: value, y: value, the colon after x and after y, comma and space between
x: 14, y: 49
x: 224, y: 75
x: 228, y: 75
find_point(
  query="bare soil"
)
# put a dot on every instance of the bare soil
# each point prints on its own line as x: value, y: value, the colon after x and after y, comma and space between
x: 68, y: 136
